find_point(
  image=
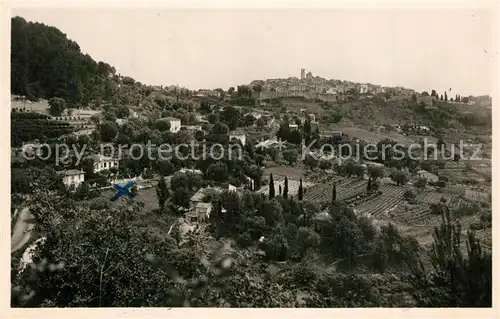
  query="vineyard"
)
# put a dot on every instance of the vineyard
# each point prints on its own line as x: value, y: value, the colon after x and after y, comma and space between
x: 482, y: 197
x: 455, y: 189
x: 385, y: 200
x: 346, y: 188
x: 379, y: 205
x: 431, y: 197
x: 416, y: 216
x: 389, y: 205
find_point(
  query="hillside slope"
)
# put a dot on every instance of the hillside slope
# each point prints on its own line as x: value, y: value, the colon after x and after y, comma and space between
x: 45, y: 64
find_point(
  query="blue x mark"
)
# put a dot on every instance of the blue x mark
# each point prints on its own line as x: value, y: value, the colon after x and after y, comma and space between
x: 125, y: 190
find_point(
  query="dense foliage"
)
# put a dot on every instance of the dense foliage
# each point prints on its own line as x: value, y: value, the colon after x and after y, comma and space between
x: 96, y: 255
x: 46, y: 64
x: 27, y: 127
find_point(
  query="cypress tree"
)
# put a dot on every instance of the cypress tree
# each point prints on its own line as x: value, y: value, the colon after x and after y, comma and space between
x: 218, y: 219
x: 334, y: 192
x: 279, y: 189
x: 307, y: 130
x: 256, y: 182
x: 445, y: 97
x: 250, y: 150
x: 271, y: 186
x: 301, y: 190
x: 285, y: 190
x: 162, y: 193
x: 369, y: 186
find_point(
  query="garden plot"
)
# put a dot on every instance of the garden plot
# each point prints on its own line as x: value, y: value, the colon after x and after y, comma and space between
x: 432, y: 197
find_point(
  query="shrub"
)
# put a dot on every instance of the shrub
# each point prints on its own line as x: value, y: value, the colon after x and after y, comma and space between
x: 441, y: 184
x: 421, y: 182
x: 409, y: 195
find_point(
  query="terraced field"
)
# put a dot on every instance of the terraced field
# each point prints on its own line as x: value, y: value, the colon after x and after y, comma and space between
x: 391, y: 198
x: 417, y: 215
x: 389, y: 205
x: 379, y: 205
x: 432, y: 197
x: 351, y: 188
x: 392, y: 190
x: 346, y: 188
x: 455, y: 189
x: 482, y: 197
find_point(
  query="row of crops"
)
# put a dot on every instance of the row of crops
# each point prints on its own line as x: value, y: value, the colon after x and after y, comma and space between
x: 357, y: 200
x: 388, y: 202
x: 392, y: 190
x: 353, y: 188
x: 29, y: 126
x: 431, y: 197
x: 379, y: 205
x: 455, y: 189
x: 346, y: 188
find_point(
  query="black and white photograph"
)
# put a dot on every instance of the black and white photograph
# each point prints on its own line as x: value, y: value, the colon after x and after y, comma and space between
x: 238, y: 157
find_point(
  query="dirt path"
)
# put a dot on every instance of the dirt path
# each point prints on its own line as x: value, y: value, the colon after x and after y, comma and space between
x: 21, y: 232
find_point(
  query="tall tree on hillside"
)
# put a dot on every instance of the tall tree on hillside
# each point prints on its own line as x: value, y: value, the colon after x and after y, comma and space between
x: 162, y: 193
x: 279, y: 190
x: 441, y: 98
x: 445, y: 96
x: 433, y: 93
x: 285, y: 190
x: 307, y: 129
x: 231, y: 116
x: 316, y: 135
x: 271, y: 186
x: 334, y: 192
x: 369, y: 185
x: 257, y: 181
x: 301, y: 190
x: 249, y: 148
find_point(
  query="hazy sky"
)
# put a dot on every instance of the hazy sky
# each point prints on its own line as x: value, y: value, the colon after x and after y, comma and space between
x: 422, y: 49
